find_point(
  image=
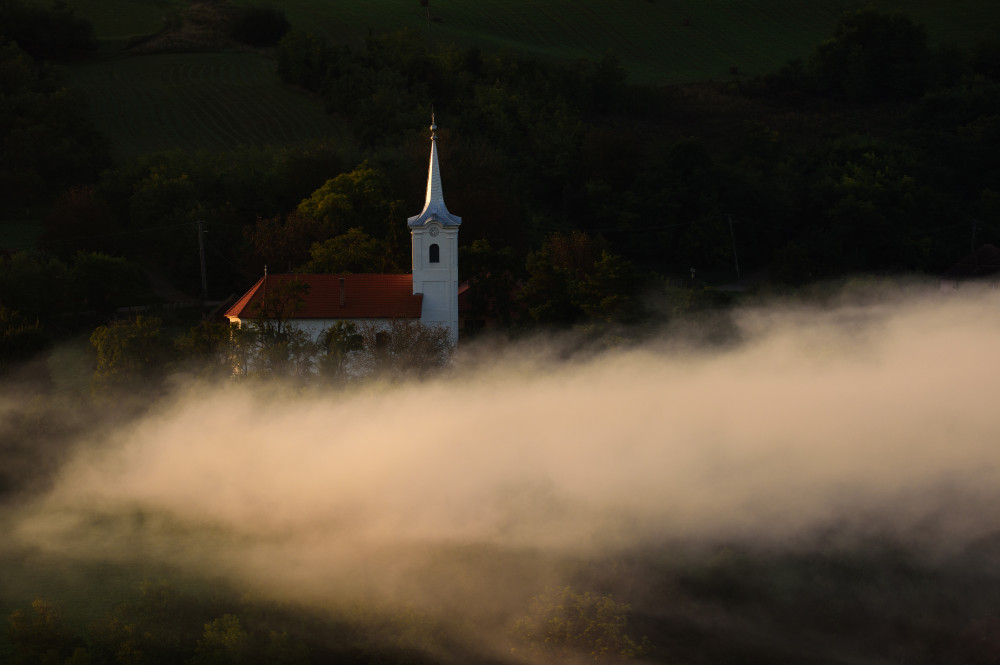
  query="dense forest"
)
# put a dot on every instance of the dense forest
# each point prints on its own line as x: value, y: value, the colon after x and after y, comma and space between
x: 872, y: 154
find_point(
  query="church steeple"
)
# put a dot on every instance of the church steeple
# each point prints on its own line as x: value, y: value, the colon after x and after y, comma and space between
x: 434, y: 244
x: 434, y: 207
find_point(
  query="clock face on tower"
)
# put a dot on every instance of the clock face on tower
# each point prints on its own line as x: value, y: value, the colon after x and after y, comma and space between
x: 434, y: 231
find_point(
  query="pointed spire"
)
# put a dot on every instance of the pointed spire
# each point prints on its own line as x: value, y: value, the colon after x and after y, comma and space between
x: 434, y: 207
x: 434, y: 191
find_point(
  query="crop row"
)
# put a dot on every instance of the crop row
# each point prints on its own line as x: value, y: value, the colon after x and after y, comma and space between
x: 197, y: 101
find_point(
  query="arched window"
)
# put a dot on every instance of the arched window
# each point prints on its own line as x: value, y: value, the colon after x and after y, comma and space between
x: 435, y: 254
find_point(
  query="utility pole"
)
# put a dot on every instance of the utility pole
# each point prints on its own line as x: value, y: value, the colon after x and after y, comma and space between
x: 201, y: 254
x: 972, y: 244
x: 427, y: 4
x: 732, y: 237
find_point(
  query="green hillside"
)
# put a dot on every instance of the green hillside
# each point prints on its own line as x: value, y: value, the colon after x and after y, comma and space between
x: 831, y: 162
x: 659, y: 41
x: 221, y: 100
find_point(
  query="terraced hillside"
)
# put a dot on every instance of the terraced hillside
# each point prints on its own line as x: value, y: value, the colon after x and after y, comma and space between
x: 192, y: 101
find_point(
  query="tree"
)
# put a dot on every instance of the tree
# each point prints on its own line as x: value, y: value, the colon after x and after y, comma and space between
x: 161, y: 626
x: 34, y: 284
x: 259, y: 25
x: 562, y: 625
x: 271, y: 344
x: 209, y: 348
x: 492, y: 276
x: 166, y: 205
x: 351, y: 252
x: 986, y: 58
x: 227, y: 642
x: 79, y: 219
x: 285, y: 243
x: 873, y: 56
x: 606, y: 80
x: 224, y: 641
x: 129, y: 353
x: 19, y: 339
x: 47, y: 33
x: 350, y: 224
x: 41, y: 635
x: 573, y: 279
x: 47, y: 140
x: 304, y: 59
x: 359, y: 198
x: 165, y: 626
x: 104, y: 283
x: 401, y: 349
x: 340, y: 342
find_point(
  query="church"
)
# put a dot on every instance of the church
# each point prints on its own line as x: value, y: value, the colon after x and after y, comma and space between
x: 428, y: 294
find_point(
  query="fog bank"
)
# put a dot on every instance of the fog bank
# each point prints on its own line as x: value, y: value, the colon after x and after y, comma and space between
x: 877, y: 414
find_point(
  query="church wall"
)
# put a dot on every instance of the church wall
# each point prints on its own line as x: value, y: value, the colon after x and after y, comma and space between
x: 316, y: 328
x: 438, y: 281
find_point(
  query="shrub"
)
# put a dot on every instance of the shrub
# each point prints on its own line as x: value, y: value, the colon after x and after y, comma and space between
x: 19, y: 338
x: 129, y: 353
x: 564, y: 625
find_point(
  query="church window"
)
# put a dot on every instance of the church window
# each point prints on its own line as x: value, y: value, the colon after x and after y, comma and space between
x: 434, y: 254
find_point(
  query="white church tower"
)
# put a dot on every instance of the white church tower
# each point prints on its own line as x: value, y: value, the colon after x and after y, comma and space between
x: 434, y: 242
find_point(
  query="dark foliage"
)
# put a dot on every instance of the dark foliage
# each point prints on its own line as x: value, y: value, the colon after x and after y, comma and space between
x: 573, y: 279
x: 259, y: 25
x: 35, y: 285
x: 42, y: 297
x: 20, y: 339
x: 986, y: 59
x: 46, y: 33
x: 840, y: 599
x: 878, y: 57
x: 873, y: 154
x: 46, y: 139
x: 873, y: 56
x: 810, y: 189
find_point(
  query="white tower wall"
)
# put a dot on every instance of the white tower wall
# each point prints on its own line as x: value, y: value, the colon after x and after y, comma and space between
x: 436, y: 279
x: 438, y: 282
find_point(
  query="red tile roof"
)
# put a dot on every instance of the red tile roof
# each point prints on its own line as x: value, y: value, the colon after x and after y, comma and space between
x: 365, y: 297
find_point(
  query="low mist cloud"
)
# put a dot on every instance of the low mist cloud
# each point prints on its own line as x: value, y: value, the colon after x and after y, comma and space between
x: 877, y: 413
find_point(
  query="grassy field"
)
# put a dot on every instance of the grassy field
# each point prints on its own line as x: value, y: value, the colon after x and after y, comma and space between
x: 192, y: 101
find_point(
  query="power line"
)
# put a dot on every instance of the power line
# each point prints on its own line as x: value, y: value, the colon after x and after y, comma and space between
x: 621, y: 230
x: 118, y: 234
x: 225, y: 258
